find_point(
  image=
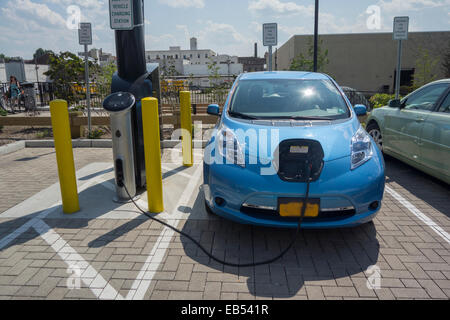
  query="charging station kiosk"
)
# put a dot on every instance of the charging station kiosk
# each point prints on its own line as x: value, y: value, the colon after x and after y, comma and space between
x: 119, y: 105
x: 134, y: 80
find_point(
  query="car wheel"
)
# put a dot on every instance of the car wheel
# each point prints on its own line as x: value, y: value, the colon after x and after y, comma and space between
x: 208, y: 209
x: 375, y: 132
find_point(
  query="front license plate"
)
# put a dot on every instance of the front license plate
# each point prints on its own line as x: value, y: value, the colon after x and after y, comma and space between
x: 292, y: 207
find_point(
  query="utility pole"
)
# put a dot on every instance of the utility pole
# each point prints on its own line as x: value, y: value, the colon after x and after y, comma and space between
x: 316, y: 31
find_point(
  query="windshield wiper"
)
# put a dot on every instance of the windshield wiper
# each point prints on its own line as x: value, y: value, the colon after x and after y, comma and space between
x: 304, y: 118
x: 241, y: 115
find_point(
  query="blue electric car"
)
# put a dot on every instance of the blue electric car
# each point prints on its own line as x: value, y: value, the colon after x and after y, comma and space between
x: 279, y: 130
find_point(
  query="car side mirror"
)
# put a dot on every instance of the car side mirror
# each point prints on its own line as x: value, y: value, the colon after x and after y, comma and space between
x: 213, y: 109
x: 360, y: 109
x: 395, y: 103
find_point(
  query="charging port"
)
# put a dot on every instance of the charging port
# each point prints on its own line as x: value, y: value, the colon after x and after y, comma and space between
x: 119, y: 172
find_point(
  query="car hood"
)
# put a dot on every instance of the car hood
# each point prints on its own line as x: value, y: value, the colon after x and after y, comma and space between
x: 335, y: 137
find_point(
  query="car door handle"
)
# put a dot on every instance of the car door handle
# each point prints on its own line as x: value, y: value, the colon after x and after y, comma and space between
x: 420, y: 120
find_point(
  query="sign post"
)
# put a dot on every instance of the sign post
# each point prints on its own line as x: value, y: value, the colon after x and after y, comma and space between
x: 400, y: 33
x: 270, y: 39
x: 85, y: 38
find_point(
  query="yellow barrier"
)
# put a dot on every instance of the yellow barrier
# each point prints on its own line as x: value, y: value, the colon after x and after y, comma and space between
x: 64, y: 155
x: 152, y: 147
x: 186, y: 127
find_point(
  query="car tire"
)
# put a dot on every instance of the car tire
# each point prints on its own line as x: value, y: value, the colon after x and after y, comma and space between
x: 208, y: 209
x: 374, y: 131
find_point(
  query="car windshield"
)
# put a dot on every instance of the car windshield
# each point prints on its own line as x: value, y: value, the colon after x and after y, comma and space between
x: 288, y: 99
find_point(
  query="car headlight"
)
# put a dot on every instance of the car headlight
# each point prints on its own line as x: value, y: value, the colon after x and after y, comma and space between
x: 361, y: 147
x: 229, y: 147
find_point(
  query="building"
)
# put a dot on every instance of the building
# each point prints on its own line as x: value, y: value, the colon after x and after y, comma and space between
x: 194, y: 56
x: 99, y: 57
x: 368, y: 61
x: 194, y: 62
x: 24, y: 72
x: 253, y: 64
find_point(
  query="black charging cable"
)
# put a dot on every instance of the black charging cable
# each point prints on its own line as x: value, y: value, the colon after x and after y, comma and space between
x: 241, y: 265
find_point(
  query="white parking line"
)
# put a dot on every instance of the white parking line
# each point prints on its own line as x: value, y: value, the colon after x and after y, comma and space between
x: 10, y: 237
x: 419, y: 214
x: 98, y: 285
x: 156, y: 256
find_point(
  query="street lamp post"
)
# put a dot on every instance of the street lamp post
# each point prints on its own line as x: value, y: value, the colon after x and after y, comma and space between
x: 316, y: 31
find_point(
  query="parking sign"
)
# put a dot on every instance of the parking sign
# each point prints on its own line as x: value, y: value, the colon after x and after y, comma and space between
x: 401, y: 25
x: 85, y: 33
x: 270, y: 34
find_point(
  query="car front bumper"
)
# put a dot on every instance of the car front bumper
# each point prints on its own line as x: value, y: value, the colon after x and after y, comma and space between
x: 337, y: 187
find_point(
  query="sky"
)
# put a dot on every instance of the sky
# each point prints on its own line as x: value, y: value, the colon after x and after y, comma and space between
x: 225, y: 26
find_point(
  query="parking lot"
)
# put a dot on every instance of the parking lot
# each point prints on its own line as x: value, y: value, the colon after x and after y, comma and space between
x: 109, y: 251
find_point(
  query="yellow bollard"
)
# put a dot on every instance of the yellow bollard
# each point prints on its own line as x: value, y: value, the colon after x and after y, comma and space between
x: 64, y: 155
x: 186, y: 127
x: 152, y: 147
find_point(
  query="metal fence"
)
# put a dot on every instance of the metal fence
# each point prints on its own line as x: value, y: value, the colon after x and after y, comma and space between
x: 199, y: 95
x: 47, y: 91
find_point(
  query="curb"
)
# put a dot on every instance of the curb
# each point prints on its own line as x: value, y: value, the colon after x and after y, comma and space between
x: 12, y: 147
x: 86, y: 143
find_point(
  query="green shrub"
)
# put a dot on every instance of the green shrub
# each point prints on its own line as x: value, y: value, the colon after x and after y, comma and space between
x: 380, y: 100
x: 3, y: 112
x: 45, y: 133
x: 96, y: 134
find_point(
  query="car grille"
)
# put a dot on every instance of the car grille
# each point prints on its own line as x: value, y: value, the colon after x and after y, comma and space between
x: 269, y: 214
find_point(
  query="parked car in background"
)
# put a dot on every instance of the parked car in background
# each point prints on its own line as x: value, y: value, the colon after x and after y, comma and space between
x: 416, y: 129
x: 314, y: 135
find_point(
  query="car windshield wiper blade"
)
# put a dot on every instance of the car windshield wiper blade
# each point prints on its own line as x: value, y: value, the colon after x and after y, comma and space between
x: 304, y: 118
x: 241, y: 115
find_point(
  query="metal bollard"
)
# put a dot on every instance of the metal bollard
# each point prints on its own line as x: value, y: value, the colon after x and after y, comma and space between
x: 186, y: 128
x: 64, y: 155
x: 152, y: 147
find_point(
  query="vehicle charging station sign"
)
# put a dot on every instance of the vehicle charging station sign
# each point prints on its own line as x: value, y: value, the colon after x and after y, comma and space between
x: 270, y: 34
x: 85, y: 33
x: 121, y: 14
x: 401, y: 25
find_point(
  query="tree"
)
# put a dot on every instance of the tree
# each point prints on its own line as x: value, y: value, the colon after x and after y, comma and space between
x: 218, y: 90
x: 213, y: 70
x: 306, y: 63
x: 67, y: 72
x: 446, y: 62
x: 4, y: 58
x: 102, y: 77
x: 425, y: 69
x: 41, y: 52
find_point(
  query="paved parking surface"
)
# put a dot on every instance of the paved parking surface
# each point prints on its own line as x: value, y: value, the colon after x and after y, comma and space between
x: 131, y: 257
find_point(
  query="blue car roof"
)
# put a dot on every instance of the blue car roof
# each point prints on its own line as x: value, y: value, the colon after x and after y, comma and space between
x: 283, y: 75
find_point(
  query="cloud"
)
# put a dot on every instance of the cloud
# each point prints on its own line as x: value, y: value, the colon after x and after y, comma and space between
x: 44, y: 25
x: 184, y: 3
x: 280, y: 7
x: 92, y: 4
x: 411, y: 5
x: 35, y: 11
